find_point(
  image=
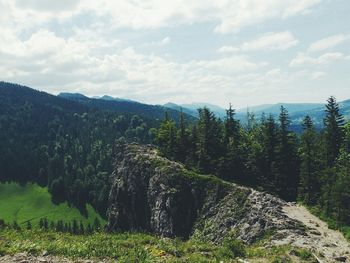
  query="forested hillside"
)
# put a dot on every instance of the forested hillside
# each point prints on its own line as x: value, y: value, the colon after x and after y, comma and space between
x: 63, y: 144
x: 313, y: 167
x: 154, y: 112
x: 68, y: 145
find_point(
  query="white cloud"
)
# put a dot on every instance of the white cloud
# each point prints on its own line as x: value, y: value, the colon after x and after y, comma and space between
x: 303, y: 59
x: 269, y: 41
x: 228, y: 49
x: 229, y: 65
x: 317, y: 75
x: 328, y: 42
x: 229, y: 16
x: 238, y: 14
x: 165, y: 41
x: 47, y: 6
x: 91, y: 47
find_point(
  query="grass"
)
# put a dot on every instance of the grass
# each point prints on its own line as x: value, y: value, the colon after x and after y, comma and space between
x: 32, y: 202
x: 139, y: 247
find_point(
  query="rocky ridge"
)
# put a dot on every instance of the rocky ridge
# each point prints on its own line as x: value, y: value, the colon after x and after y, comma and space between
x: 151, y: 193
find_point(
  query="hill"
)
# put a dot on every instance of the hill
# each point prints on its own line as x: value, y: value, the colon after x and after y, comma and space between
x: 156, y: 195
x: 297, y: 111
x: 188, y: 111
x: 65, y: 144
x: 274, y: 109
x: 123, y: 106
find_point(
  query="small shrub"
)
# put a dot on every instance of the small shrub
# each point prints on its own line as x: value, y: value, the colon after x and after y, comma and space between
x: 2, y: 224
x: 303, y: 254
x: 232, y: 248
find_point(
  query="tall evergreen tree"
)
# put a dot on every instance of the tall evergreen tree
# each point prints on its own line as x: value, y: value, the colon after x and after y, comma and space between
x: 166, y: 138
x: 309, y: 185
x: 209, y: 141
x: 269, y: 144
x: 231, y: 164
x: 182, y: 139
x: 286, y: 165
x: 333, y: 123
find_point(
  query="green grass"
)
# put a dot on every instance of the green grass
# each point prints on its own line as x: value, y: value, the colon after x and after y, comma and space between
x: 32, y: 202
x: 139, y: 247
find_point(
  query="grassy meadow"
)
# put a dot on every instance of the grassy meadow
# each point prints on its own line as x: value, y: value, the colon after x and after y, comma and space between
x: 32, y: 202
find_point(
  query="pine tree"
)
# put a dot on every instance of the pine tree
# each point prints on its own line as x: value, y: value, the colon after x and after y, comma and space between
x: 269, y: 144
x: 232, y: 164
x: 333, y: 123
x: 166, y: 138
x: 181, y: 140
x: 286, y: 169
x: 29, y: 225
x: 209, y: 141
x: 309, y: 186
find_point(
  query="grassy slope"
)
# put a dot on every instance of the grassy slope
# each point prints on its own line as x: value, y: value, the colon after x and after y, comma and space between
x: 139, y: 247
x: 32, y: 202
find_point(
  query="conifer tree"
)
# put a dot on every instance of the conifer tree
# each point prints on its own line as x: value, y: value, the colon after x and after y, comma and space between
x: 181, y: 140
x: 269, y: 144
x: 286, y: 165
x: 333, y: 122
x: 209, y: 141
x: 309, y: 185
x: 166, y: 138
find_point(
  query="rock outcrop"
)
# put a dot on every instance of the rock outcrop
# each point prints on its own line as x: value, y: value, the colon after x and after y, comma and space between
x: 151, y: 193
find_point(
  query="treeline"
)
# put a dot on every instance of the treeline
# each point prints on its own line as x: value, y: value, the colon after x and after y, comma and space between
x: 73, y: 227
x: 313, y: 168
x: 63, y: 144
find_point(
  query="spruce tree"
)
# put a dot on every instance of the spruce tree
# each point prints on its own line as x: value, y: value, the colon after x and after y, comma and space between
x: 309, y: 186
x: 269, y: 144
x: 231, y: 163
x: 209, y: 141
x: 333, y: 123
x: 286, y: 166
x: 166, y: 138
x: 181, y: 140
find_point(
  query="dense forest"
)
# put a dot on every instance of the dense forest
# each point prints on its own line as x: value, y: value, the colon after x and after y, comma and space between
x: 313, y: 167
x: 68, y: 145
x: 65, y: 145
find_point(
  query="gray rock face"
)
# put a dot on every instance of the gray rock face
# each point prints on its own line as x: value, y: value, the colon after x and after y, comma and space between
x: 153, y: 194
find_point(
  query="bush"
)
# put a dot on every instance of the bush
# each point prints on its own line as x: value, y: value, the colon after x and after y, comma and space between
x: 2, y: 224
x: 303, y: 254
x: 232, y: 248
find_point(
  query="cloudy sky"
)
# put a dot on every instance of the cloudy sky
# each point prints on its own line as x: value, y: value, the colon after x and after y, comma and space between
x: 246, y: 52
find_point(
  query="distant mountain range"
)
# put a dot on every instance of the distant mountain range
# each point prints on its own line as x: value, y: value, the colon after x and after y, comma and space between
x: 297, y: 111
x: 106, y: 102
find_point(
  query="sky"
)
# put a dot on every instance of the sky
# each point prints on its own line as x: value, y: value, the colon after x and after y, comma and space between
x: 244, y: 52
